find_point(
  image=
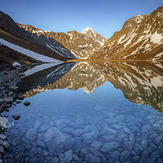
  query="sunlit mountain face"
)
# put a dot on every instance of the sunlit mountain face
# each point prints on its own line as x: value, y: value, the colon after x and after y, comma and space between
x: 140, y: 82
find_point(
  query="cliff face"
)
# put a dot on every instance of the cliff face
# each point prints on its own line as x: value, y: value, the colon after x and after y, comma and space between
x: 141, y: 38
x: 82, y: 44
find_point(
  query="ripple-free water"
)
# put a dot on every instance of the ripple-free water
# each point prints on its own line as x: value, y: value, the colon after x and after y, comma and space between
x: 63, y: 125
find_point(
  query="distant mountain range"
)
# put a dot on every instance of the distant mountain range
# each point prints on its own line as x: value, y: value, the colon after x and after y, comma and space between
x: 141, y: 38
x: 81, y: 44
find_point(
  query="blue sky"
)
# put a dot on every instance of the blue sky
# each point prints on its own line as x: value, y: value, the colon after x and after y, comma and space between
x: 104, y: 16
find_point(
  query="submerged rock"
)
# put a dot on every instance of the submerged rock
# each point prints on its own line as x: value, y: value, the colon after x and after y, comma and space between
x: 95, y: 151
x: 90, y: 158
x: 31, y: 134
x: 16, y: 117
x: 90, y: 137
x: 144, y: 156
x: 125, y: 156
x: 107, y: 147
x: 54, y: 134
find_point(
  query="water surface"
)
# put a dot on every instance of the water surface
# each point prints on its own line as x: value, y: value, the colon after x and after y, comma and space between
x: 90, y: 112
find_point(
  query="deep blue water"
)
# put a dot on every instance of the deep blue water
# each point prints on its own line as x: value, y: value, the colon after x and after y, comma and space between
x: 98, y: 119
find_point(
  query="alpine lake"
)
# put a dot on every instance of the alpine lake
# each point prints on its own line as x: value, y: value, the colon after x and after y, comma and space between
x: 92, y: 112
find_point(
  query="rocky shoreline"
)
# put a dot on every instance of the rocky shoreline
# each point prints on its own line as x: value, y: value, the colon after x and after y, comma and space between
x: 10, y: 79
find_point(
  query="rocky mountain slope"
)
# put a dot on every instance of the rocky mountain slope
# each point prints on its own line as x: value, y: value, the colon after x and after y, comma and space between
x: 11, y: 34
x: 141, y: 38
x: 81, y: 44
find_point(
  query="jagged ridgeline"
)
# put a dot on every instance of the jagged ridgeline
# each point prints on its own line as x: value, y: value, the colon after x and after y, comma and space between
x: 141, y: 38
x: 81, y: 44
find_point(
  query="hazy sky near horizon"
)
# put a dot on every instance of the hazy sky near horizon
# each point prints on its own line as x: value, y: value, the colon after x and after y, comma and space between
x: 104, y: 16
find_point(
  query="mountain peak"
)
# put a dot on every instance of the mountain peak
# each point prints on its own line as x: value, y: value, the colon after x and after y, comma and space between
x: 89, y: 32
x: 86, y: 30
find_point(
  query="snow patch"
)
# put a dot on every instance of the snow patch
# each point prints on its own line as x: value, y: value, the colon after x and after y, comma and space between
x: 129, y: 41
x: 156, y: 38
x: 139, y: 18
x: 86, y: 30
x: 28, y: 53
x: 120, y: 39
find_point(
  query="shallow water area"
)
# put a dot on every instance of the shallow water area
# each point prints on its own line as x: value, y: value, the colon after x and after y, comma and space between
x: 94, y: 112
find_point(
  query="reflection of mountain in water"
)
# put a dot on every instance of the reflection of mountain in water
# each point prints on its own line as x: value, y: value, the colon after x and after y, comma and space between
x: 82, y: 76
x: 41, y: 81
x: 141, y: 82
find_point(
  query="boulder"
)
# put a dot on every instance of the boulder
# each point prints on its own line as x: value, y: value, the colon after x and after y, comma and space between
x: 3, y: 123
x: 90, y: 137
x: 26, y: 103
x: 8, y: 99
x: 2, y: 137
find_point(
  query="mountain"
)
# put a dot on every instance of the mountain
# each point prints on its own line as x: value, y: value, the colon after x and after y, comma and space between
x: 37, y: 47
x: 82, y: 44
x: 141, y: 38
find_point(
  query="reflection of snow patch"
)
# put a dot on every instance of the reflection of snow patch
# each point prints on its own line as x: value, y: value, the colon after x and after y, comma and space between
x: 16, y: 64
x: 156, y: 81
x: 158, y: 55
x: 39, y: 68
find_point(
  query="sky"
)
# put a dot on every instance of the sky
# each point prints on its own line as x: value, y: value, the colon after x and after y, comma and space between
x: 104, y: 16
